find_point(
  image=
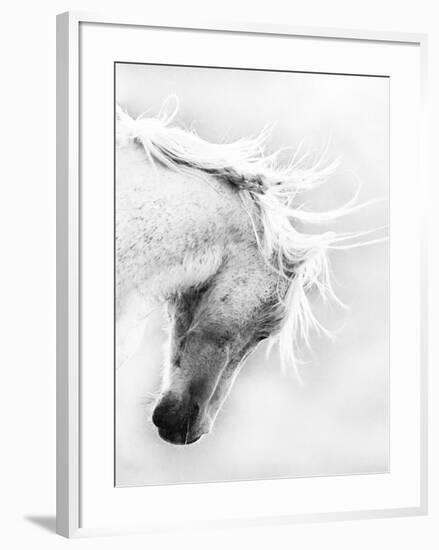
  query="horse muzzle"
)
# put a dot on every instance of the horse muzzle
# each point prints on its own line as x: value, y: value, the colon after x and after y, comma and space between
x: 177, y: 420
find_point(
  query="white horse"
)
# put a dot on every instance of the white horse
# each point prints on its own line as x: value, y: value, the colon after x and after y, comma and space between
x: 213, y: 230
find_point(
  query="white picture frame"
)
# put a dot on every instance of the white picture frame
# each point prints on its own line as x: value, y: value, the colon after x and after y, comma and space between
x: 74, y: 492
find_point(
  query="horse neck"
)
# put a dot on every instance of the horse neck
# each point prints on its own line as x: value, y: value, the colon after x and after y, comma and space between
x: 173, y: 229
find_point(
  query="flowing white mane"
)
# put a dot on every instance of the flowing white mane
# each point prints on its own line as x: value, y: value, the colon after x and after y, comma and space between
x: 261, y: 180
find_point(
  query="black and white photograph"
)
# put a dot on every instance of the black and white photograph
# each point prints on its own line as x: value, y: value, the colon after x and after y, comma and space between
x: 251, y: 260
x: 219, y: 266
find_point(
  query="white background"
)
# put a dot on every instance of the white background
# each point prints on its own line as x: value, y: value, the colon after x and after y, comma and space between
x: 28, y: 254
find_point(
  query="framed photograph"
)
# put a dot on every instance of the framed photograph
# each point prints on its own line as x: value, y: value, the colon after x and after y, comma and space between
x: 241, y: 278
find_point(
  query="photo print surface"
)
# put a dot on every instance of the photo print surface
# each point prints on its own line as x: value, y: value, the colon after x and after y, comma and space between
x: 251, y: 274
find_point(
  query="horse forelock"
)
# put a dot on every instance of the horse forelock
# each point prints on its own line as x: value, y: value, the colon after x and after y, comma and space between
x: 269, y: 193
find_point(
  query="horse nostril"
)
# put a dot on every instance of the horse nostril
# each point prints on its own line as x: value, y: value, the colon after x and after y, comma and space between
x: 160, y: 416
x: 171, y: 415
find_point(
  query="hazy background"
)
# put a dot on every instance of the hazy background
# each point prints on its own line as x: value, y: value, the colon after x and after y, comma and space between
x: 270, y: 426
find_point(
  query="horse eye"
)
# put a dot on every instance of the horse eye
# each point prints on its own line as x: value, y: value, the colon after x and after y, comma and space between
x: 262, y: 335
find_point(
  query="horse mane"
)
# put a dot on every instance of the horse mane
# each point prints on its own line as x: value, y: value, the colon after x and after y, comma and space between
x: 263, y: 181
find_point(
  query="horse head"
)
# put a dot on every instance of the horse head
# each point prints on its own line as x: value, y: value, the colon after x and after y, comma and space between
x: 213, y: 328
